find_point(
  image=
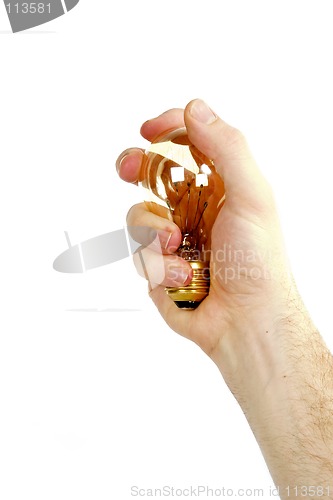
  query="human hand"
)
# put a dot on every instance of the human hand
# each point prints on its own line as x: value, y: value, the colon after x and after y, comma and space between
x: 249, y: 271
x: 253, y: 323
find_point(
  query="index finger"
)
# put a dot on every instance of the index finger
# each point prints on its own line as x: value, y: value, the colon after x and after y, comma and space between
x: 170, y: 120
x: 129, y: 161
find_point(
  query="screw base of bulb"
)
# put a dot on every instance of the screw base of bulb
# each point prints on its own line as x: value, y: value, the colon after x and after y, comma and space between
x: 187, y: 304
x: 190, y: 296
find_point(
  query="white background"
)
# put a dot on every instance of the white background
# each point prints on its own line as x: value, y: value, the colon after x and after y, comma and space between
x: 95, y: 402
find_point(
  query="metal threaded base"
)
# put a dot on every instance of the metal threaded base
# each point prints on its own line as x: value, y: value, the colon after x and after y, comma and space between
x: 190, y: 296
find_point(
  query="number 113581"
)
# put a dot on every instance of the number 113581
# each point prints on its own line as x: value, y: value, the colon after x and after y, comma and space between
x: 29, y: 8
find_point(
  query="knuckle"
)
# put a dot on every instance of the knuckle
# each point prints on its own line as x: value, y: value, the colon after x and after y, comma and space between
x: 235, y: 138
x: 134, y: 215
x: 149, y: 265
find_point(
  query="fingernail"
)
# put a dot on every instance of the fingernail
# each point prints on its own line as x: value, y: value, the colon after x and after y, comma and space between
x: 120, y: 161
x: 164, y: 237
x: 201, y: 112
x: 179, y: 275
x: 158, y: 239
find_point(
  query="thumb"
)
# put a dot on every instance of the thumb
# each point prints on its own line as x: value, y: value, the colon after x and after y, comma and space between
x: 227, y: 147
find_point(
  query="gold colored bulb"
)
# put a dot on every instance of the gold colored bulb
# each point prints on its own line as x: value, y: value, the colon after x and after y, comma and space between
x: 182, y: 184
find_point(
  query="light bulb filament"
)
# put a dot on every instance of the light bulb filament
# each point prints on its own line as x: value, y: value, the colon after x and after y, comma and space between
x: 189, y: 211
x: 196, y: 211
x: 188, y: 206
x: 204, y: 208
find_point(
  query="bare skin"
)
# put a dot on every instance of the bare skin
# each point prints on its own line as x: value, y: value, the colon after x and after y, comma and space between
x: 254, y: 326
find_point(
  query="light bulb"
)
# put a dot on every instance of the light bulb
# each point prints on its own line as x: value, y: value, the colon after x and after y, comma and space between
x: 182, y: 184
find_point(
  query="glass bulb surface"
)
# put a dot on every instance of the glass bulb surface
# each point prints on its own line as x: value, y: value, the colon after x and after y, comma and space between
x: 182, y: 184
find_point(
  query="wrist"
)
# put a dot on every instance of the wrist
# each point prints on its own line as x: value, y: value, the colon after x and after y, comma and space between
x: 262, y: 348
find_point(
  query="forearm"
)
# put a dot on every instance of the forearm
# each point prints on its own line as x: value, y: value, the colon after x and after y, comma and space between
x: 281, y: 373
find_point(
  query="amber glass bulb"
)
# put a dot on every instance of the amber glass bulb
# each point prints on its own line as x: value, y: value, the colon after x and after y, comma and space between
x: 182, y: 184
